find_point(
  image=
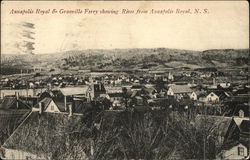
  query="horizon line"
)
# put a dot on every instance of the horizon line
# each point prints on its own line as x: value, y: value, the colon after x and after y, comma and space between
x: 126, y: 49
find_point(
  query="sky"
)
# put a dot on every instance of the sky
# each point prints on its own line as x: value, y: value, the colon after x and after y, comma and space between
x: 225, y: 25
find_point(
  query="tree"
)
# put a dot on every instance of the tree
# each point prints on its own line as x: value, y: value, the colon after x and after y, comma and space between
x: 154, y: 135
x: 133, y: 135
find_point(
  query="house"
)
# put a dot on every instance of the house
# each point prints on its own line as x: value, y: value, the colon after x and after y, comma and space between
x: 245, y: 131
x: 233, y: 150
x: 225, y: 85
x: 54, y: 106
x: 179, y: 91
x: 116, y: 98
x: 21, y: 92
x: 48, y: 136
x: 216, y: 96
x: 219, y: 124
x: 82, y: 91
x: 239, y: 130
x: 116, y: 95
x: 241, y: 110
x: 97, y: 90
x: 170, y: 76
x: 48, y: 105
x: 4, y: 81
x: 193, y: 96
x: 212, y: 97
x: 114, y: 89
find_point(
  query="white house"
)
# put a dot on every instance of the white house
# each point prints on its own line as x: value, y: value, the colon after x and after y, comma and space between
x: 193, y: 96
x: 234, y: 151
x: 179, y: 91
x: 82, y: 91
x: 52, y: 107
x: 225, y: 85
x: 19, y: 154
x: 48, y: 105
x: 216, y: 96
x: 170, y: 76
x: 212, y: 97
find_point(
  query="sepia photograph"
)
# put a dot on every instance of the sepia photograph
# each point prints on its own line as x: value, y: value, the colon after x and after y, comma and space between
x: 127, y: 80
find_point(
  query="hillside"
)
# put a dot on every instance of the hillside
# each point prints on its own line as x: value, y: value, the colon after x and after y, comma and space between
x: 155, y: 58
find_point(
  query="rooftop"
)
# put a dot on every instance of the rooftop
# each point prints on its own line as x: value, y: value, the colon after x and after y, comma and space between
x: 74, y: 90
x: 48, y: 133
x: 220, y: 123
x: 245, y: 126
x: 181, y: 88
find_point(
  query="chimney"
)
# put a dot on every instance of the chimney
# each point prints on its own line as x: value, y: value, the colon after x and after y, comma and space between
x: 70, y: 110
x: 40, y: 107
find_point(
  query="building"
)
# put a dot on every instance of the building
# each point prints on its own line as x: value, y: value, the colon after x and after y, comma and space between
x: 193, y: 96
x: 219, y: 124
x: 54, y: 106
x: 212, y: 97
x: 116, y: 98
x: 114, y: 89
x: 241, y: 110
x: 180, y: 91
x: 233, y: 150
x: 216, y: 96
x: 84, y: 92
x: 21, y: 92
x: 46, y: 136
x: 49, y: 105
x: 170, y: 76
x: 239, y: 130
x: 97, y: 90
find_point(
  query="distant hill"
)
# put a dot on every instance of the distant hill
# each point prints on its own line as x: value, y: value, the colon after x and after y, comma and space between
x: 155, y: 58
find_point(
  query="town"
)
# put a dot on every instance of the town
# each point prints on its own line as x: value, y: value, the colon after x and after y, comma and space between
x: 124, y: 80
x: 87, y: 111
